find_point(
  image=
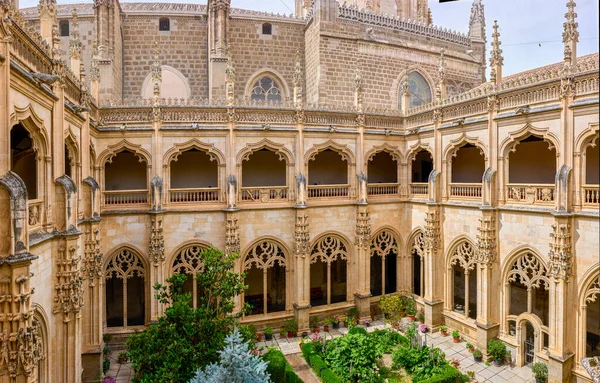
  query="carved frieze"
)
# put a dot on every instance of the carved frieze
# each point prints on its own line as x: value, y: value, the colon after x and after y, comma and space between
x: 301, y: 236
x: 157, y: 243
x: 68, y: 297
x: 432, y: 231
x: 560, y: 255
x: 232, y: 236
x: 486, y: 241
x: 92, y: 262
x: 363, y: 229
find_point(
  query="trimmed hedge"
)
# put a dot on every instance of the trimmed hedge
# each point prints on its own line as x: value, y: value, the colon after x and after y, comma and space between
x: 318, y: 365
x: 279, y: 368
x: 448, y: 375
x: 327, y: 376
x: 358, y: 330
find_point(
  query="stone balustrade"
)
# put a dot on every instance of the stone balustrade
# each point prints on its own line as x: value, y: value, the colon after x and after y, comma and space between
x: 193, y: 195
x: 530, y: 194
x: 465, y: 190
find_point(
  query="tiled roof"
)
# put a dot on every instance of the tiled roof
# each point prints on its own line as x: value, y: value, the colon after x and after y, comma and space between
x: 593, y: 57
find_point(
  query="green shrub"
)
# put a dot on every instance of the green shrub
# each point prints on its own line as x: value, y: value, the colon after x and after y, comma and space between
x: 497, y: 349
x: 356, y: 350
x: 327, y: 376
x: 307, y: 351
x: 392, y: 307
x: 317, y: 364
x: 385, y: 340
x: 448, y: 374
x: 248, y: 333
x: 290, y: 375
x: 540, y: 371
x: 354, y: 313
x: 276, y: 364
x: 358, y: 330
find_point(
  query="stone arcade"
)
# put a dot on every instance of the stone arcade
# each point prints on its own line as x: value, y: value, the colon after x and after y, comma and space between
x: 344, y: 153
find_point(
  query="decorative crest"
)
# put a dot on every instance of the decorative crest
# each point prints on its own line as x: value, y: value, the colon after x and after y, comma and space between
x: 94, y: 69
x: 47, y: 8
x: 75, y: 46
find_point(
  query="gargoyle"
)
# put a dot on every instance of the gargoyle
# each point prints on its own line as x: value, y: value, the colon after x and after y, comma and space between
x: 44, y: 78
x: 522, y: 109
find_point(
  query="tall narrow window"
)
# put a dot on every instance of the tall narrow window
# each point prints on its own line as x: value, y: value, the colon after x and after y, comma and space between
x: 24, y: 158
x: 189, y: 262
x: 418, y: 252
x: 384, y: 250
x: 164, y: 24
x: 328, y: 272
x: 63, y: 25
x: 464, y: 273
x: 267, y: 29
x: 125, y: 290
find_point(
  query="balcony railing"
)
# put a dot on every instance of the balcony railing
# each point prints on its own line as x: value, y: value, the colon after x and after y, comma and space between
x: 530, y: 194
x: 419, y: 189
x: 265, y: 194
x: 382, y: 189
x: 464, y: 190
x: 125, y: 197
x: 36, y: 213
x: 329, y: 191
x: 591, y: 194
x: 194, y: 195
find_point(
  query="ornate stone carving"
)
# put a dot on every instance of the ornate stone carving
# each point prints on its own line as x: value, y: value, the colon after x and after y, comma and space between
x: 231, y: 192
x: 384, y: 244
x: 232, y: 236
x: 75, y: 45
x: 464, y: 255
x: 362, y: 187
x: 47, y: 8
x: 358, y: 90
x: 560, y: 264
x: 157, y: 243
x: 570, y: 33
x: 432, y: 231
x: 486, y: 241
x: 530, y: 272
x: 156, y: 70
x: 103, y: 3
x: 298, y: 80
x: 92, y: 262
x: 301, y: 235
x: 328, y: 249
x: 34, y: 215
x: 301, y: 189
x: 418, y: 244
x: 69, y: 285
x: 188, y: 261
x: 363, y: 229
x: 265, y: 255
x: 94, y: 69
x: 496, y: 59
x: 439, y: 91
x: 230, y: 79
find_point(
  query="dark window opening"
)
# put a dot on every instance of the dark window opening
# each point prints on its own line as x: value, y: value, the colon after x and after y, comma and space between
x: 267, y: 29
x: 164, y: 24
x: 63, y: 25
x: 23, y: 159
x: 421, y: 167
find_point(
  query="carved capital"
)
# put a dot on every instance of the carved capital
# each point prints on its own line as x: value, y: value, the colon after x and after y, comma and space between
x: 157, y: 243
x: 363, y: 229
x: 232, y: 236
x: 560, y: 255
x: 301, y: 236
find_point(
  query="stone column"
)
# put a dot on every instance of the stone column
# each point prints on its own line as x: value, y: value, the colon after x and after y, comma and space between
x: 563, y: 302
x: 434, y: 285
x: 5, y: 127
x: 218, y: 15
x: 75, y: 46
x: 156, y: 253
x: 362, y: 295
x: 487, y: 279
x: 302, y: 272
x: 232, y: 246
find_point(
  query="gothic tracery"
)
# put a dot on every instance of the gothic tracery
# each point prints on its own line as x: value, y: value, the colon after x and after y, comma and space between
x: 529, y: 271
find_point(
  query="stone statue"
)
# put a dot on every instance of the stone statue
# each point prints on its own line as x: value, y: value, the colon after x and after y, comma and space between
x: 301, y: 185
x: 231, y: 191
x: 362, y: 188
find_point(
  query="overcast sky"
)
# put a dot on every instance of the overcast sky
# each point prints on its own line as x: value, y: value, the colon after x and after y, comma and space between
x: 531, y: 30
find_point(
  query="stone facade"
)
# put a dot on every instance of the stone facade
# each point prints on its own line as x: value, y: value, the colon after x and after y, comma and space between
x: 483, y: 202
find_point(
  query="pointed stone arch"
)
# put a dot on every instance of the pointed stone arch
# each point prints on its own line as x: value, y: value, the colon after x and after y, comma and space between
x: 186, y: 260
x: 17, y: 192
x: 415, y: 255
x: 280, y: 149
x: 385, y: 147
x: 385, y: 248
x: 588, y: 293
x: 396, y: 87
x: 112, y: 150
x: 173, y: 153
x: 454, y: 145
x: 509, y: 144
x: 462, y: 254
x: 271, y: 73
x: 589, y: 137
x: 332, y: 249
x: 34, y: 124
x: 343, y: 150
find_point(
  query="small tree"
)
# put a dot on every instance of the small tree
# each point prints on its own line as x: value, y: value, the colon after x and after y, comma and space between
x: 236, y: 365
x: 185, y: 339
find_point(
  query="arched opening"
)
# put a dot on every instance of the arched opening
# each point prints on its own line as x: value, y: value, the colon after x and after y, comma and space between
x: 194, y: 177
x: 266, y: 277
x: 591, y: 319
x: 417, y: 258
x: 325, y: 169
x: 164, y: 24
x: 125, y: 179
x: 24, y: 158
x: 591, y: 189
x: 125, y: 291
x: 63, y: 25
x: 267, y: 29
x: 421, y: 167
x: 467, y: 169
x: 328, y: 271
x: 529, y: 343
x: 532, y: 153
x: 384, y: 254
x: 419, y: 91
x: 463, y: 272
x: 68, y: 163
x: 266, y: 89
x: 188, y: 262
x: 382, y: 174
x: 174, y: 85
x: 39, y: 337
x: 264, y: 176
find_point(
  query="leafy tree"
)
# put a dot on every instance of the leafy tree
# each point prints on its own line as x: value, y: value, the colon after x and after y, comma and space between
x: 354, y: 357
x: 185, y: 339
x: 237, y: 364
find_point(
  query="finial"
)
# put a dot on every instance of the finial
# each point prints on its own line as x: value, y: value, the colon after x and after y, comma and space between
x: 75, y: 46
x: 94, y: 69
x: 496, y: 59
x: 156, y: 70
x: 570, y: 33
x: 47, y: 8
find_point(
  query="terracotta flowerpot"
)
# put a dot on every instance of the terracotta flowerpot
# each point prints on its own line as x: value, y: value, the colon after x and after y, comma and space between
x: 316, y: 330
x: 345, y: 324
x: 281, y: 336
x: 412, y: 318
x: 456, y: 340
x: 444, y: 333
x: 290, y: 334
x: 121, y: 360
x: 258, y: 337
x: 471, y: 350
x: 325, y: 328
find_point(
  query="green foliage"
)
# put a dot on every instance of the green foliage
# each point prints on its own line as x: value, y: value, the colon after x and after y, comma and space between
x: 185, y: 339
x: 443, y: 328
x: 291, y: 325
x: 358, y: 330
x: 447, y: 374
x: 268, y: 330
x: 477, y: 354
x: 410, y: 306
x: 105, y: 365
x: 540, y: 371
x: 317, y: 364
x: 354, y: 357
x: 386, y: 339
x: 290, y: 375
x: 329, y: 321
x: 307, y: 350
x: 327, y: 376
x: 277, y: 364
x: 248, y: 333
x: 314, y: 322
x: 392, y: 306
x: 353, y: 313
x: 455, y: 334
x: 421, y: 317
x: 496, y: 349
x: 422, y: 363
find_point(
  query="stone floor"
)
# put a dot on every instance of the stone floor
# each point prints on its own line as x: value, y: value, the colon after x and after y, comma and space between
x: 289, y: 346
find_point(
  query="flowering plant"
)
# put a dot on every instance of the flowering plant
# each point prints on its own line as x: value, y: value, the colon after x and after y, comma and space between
x: 338, y: 317
x: 109, y: 379
x: 367, y: 322
x: 455, y: 363
x: 423, y: 328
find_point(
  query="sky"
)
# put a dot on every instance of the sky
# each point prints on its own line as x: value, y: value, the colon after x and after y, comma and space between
x: 530, y: 30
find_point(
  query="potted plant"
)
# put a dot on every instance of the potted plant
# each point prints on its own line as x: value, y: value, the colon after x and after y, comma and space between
x: 292, y: 327
x: 367, y: 322
x: 346, y: 321
x: 423, y: 328
x: 268, y: 333
x: 456, y: 336
x: 540, y: 372
x: 314, y: 324
x: 497, y: 351
x: 282, y: 332
x: 411, y: 312
x: 470, y: 347
x: 477, y: 356
x: 122, y: 357
x: 471, y: 375
x: 444, y: 330
x: 336, y: 321
x: 258, y: 337
x: 421, y: 317
x: 327, y: 322
x: 455, y: 363
x: 106, y: 352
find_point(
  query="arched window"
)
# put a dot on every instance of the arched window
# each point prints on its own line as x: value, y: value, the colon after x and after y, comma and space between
x: 24, y: 158
x: 463, y: 280
x: 468, y: 165
x: 328, y: 167
x: 532, y: 153
x: 266, y: 267
x: 417, y: 253
x: 125, y: 179
x: 264, y: 176
x: 328, y: 268
x: 384, y: 254
x: 422, y: 165
x: 39, y: 349
x: 265, y: 89
x: 68, y: 163
x: 419, y: 89
x: 528, y: 287
x: 125, y: 292
x: 193, y: 176
x: 188, y: 262
x: 267, y: 29
x: 591, y: 323
x: 63, y: 25
x: 382, y: 168
x: 591, y: 189
x: 164, y: 24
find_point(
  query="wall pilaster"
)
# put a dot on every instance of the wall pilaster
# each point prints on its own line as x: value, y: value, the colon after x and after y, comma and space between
x: 362, y: 264
x: 433, y: 294
x: 302, y: 272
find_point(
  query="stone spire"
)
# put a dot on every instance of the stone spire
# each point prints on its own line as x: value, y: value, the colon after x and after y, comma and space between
x: 358, y: 89
x: 496, y: 59
x: 47, y: 10
x: 230, y: 79
x: 477, y: 35
x: 570, y: 34
x: 94, y: 73
x: 75, y: 46
x: 298, y: 79
x: 440, y: 91
x: 156, y: 71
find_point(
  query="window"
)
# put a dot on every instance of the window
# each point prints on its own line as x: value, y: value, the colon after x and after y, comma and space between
x: 24, y: 158
x: 63, y: 25
x: 164, y: 24
x: 418, y: 272
x: 267, y: 29
x: 328, y: 270
x: 125, y: 290
x: 464, y: 286
x: 189, y: 262
x: 266, y: 89
x: 384, y: 251
x: 419, y: 89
